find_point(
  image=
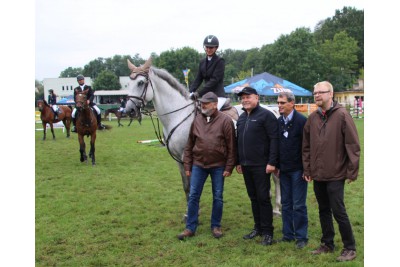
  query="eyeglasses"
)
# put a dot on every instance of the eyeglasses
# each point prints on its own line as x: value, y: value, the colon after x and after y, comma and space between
x: 320, y: 92
x: 281, y: 102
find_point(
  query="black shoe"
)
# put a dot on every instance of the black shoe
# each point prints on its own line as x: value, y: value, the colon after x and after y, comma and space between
x: 301, y: 244
x: 73, y: 129
x: 266, y: 240
x: 252, y: 234
x: 101, y: 127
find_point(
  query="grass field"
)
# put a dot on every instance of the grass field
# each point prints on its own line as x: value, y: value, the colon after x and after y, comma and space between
x: 127, y: 210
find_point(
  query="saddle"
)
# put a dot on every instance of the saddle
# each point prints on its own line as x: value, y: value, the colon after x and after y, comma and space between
x: 229, y: 110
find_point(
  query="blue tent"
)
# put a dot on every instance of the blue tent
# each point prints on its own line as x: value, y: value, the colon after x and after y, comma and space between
x: 267, y: 84
x: 66, y: 100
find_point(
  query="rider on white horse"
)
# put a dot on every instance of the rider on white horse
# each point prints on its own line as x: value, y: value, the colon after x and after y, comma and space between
x: 211, y: 71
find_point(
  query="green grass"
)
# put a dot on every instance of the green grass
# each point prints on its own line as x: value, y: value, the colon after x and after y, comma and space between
x: 127, y: 210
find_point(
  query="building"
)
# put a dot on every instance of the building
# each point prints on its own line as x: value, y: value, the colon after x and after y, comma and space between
x: 64, y: 87
x: 351, y: 97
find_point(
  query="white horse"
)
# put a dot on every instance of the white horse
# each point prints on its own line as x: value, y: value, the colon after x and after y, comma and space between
x: 174, y: 108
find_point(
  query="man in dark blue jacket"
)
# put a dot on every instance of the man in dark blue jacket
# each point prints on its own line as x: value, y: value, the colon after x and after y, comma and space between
x: 257, y: 137
x: 293, y: 186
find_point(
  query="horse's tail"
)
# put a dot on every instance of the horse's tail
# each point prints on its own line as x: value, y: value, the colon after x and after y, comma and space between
x: 70, y: 107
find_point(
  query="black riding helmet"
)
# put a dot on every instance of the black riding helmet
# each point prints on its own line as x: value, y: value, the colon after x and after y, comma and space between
x: 211, y: 41
x: 80, y: 77
x: 51, y: 91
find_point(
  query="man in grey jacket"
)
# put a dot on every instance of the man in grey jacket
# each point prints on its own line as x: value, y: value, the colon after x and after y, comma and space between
x: 210, y: 150
x: 331, y: 154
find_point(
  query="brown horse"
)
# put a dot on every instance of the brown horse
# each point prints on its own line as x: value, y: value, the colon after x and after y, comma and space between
x: 86, y: 124
x: 133, y: 115
x: 47, y: 116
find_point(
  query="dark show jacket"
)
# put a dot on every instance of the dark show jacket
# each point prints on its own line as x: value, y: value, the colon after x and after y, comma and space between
x: 212, y: 73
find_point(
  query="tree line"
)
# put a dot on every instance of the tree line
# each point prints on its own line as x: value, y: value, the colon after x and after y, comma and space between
x: 334, y: 51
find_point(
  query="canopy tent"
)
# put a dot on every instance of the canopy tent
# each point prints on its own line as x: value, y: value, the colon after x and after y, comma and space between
x: 66, y: 100
x: 267, y: 84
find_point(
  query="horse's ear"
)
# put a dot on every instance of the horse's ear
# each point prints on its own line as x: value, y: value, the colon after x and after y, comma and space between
x: 131, y: 66
x: 147, y: 65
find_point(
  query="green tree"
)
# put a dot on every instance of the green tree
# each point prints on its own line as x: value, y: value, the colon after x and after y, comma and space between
x: 94, y: 68
x: 175, y: 61
x: 348, y: 19
x: 294, y: 57
x: 253, y: 61
x: 234, y: 60
x: 106, y: 80
x: 70, y: 72
x: 39, y: 90
x: 340, y: 60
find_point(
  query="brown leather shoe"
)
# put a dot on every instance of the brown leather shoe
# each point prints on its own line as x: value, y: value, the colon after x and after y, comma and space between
x: 347, y: 255
x: 322, y: 249
x: 216, y: 232
x: 185, y: 233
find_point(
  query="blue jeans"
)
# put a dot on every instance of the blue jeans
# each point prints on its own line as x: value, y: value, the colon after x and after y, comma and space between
x: 294, y: 209
x: 197, y: 179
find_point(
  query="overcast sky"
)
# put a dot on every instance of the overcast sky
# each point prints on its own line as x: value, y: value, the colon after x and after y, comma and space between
x: 70, y: 33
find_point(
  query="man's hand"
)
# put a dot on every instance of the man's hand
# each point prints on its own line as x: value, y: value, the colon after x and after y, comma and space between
x: 269, y: 169
x: 226, y: 174
x: 239, y: 169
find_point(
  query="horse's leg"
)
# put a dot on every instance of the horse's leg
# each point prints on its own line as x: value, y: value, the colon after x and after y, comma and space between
x: 92, y: 148
x: 278, y: 206
x: 67, y: 123
x: 186, y: 187
x: 52, y: 130
x: 130, y: 122
x: 82, y: 148
x: 119, y: 123
x: 44, y: 130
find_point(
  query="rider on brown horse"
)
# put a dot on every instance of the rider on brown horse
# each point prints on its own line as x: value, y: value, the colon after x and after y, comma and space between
x: 86, y: 89
x: 52, y: 101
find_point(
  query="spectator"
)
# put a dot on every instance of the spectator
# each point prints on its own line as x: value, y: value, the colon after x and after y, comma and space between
x: 293, y: 186
x: 210, y: 150
x: 331, y: 154
x: 257, y: 136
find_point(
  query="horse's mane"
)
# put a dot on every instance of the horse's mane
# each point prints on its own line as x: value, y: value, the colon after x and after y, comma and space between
x: 45, y: 103
x: 171, y: 80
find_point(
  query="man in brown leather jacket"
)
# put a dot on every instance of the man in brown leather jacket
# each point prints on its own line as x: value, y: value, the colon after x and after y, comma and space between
x: 210, y: 150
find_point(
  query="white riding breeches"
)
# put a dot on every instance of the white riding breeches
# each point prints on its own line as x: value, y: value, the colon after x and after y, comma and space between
x: 121, y: 109
x: 221, y: 102
x: 55, y: 108
x: 95, y: 108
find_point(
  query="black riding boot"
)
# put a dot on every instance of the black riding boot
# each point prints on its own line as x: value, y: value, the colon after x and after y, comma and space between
x: 73, y: 123
x: 99, y: 125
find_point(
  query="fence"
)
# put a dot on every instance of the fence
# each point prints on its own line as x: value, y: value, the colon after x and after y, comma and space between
x: 357, y: 112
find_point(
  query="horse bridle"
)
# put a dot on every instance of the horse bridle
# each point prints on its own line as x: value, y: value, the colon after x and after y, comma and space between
x: 142, y: 98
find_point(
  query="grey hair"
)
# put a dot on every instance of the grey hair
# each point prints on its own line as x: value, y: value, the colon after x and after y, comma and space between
x: 289, y: 95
